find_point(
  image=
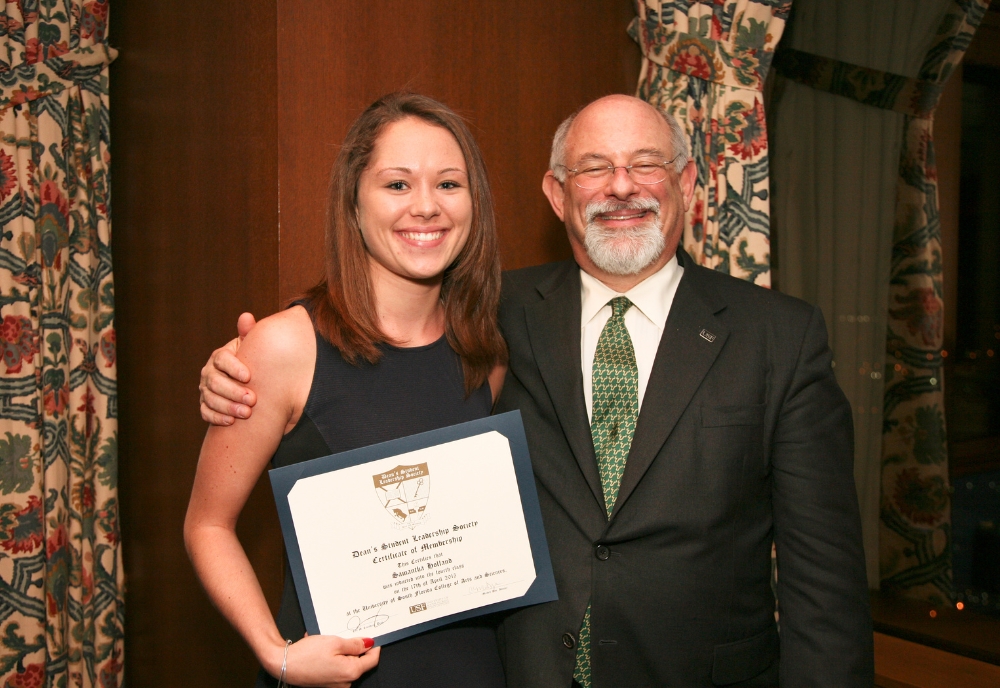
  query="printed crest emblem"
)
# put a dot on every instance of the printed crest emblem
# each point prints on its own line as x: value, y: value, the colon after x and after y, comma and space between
x: 403, y: 492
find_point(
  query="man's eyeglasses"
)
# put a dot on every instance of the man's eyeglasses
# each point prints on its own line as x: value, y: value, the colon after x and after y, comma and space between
x: 596, y: 176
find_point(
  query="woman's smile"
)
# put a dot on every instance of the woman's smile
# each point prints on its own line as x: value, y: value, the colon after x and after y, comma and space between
x: 422, y: 237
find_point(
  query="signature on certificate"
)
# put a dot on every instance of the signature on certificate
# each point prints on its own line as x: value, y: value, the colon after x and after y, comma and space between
x: 356, y: 623
x: 488, y: 587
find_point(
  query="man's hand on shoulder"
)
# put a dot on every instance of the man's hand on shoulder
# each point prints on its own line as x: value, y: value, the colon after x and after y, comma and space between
x: 224, y: 396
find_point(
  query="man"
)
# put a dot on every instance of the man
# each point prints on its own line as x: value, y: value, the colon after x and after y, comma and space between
x: 679, y: 420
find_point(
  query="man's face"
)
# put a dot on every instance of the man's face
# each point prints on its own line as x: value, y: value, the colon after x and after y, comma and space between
x: 622, y: 229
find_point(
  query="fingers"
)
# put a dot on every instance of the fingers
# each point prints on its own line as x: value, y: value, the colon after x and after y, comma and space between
x: 369, y: 660
x: 213, y: 418
x: 245, y: 323
x: 224, y: 360
x: 225, y: 386
x: 355, y: 646
x: 222, y: 398
x: 355, y: 667
x: 219, y: 410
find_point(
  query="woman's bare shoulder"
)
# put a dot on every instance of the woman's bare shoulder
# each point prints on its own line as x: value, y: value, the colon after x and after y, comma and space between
x: 284, y: 342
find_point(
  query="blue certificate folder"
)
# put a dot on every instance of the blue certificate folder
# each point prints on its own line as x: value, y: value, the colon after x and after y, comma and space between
x: 507, y: 424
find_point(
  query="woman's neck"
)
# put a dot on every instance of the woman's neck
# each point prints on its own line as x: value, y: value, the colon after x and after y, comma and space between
x: 410, y: 312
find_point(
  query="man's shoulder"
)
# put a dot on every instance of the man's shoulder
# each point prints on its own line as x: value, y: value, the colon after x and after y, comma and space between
x: 530, y: 284
x: 745, y: 297
x: 525, y: 284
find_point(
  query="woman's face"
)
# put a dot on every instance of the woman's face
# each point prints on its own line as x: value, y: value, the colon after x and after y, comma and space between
x: 414, y: 204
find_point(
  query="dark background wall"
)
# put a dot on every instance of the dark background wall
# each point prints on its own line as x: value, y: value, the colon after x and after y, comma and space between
x: 514, y: 68
x: 225, y: 120
x: 194, y: 188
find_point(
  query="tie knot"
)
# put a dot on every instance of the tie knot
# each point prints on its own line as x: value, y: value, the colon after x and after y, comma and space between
x: 619, y: 305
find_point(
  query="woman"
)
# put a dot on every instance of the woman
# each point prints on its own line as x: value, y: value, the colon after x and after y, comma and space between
x: 399, y: 338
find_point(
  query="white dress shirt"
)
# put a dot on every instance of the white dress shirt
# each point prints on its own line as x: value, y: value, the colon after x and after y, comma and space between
x: 651, y: 300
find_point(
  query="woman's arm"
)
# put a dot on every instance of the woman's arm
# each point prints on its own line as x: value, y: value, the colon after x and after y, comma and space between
x: 281, y: 351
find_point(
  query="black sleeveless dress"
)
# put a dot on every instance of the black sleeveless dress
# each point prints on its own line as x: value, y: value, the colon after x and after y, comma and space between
x: 410, y: 390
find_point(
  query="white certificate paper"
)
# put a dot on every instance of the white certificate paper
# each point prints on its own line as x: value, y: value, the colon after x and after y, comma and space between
x: 396, y: 542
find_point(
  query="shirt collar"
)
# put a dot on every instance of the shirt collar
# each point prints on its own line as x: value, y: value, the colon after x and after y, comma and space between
x: 652, y: 296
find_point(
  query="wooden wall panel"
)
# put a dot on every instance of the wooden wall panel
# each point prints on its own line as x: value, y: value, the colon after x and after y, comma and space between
x: 214, y: 108
x: 514, y: 68
x: 194, y: 188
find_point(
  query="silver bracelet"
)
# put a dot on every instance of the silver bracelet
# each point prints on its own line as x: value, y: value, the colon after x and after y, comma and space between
x: 284, y: 665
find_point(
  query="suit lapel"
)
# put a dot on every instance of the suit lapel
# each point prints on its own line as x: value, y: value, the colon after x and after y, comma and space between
x: 683, y: 358
x: 554, y: 332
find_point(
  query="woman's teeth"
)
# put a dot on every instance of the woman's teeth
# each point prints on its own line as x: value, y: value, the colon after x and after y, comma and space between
x: 422, y: 236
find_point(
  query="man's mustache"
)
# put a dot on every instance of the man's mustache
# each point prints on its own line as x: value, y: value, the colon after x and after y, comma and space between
x: 595, y: 208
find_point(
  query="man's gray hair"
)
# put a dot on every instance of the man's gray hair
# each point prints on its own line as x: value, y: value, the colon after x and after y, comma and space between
x: 557, y: 160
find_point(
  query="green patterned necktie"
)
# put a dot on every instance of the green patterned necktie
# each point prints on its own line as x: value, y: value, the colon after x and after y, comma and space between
x: 613, y: 414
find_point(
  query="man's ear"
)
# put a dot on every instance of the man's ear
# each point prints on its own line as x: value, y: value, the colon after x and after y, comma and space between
x: 689, y: 175
x: 553, y: 190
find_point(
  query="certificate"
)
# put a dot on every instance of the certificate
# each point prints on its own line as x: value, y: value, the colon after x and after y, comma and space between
x: 398, y: 538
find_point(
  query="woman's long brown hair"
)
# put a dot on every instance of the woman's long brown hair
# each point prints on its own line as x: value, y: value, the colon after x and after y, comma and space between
x: 343, y: 304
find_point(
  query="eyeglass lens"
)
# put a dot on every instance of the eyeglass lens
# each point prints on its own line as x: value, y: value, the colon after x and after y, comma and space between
x: 596, y: 176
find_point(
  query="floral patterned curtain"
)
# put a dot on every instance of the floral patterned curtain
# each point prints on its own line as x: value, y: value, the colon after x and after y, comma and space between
x: 61, y: 577
x: 705, y: 62
x: 845, y: 76
x: 915, y: 538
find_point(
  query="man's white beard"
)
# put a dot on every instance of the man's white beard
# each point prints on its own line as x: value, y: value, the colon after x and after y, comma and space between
x: 626, y: 250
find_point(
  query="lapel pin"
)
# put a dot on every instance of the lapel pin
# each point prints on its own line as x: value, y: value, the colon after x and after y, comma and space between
x: 707, y: 336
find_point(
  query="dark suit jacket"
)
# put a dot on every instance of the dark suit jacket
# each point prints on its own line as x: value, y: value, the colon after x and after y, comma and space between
x: 743, y: 437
